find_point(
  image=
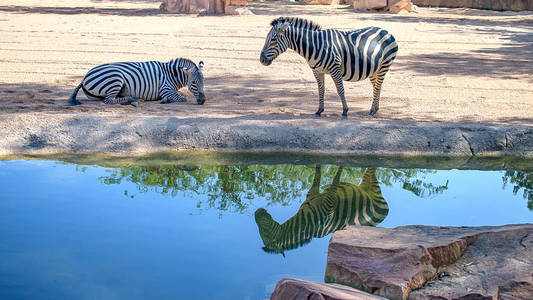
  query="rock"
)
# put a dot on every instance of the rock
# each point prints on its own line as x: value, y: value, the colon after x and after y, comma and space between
x: 28, y: 95
x: 369, y: 4
x: 437, y: 262
x: 237, y: 10
x: 373, y: 4
x: 205, y: 7
x: 402, y: 6
x: 393, y: 6
x: 321, y: 2
x: 516, y: 291
x: 294, y: 289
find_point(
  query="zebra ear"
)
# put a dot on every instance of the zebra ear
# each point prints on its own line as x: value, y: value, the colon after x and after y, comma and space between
x: 200, y: 65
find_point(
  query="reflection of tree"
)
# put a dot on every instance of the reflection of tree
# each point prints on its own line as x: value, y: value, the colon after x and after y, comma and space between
x: 520, y: 180
x: 231, y: 188
x: 411, y: 180
x: 227, y: 187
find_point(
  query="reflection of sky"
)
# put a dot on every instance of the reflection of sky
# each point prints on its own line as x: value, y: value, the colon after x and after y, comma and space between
x: 473, y: 198
x: 65, y: 235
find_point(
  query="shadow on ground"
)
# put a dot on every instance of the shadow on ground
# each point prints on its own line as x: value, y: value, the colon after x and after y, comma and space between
x: 230, y: 96
x: 82, y: 11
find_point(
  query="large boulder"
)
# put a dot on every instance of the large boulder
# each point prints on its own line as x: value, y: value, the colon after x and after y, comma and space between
x: 373, y: 4
x: 368, y: 4
x: 206, y: 7
x: 427, y: 262
x: 296, y: 289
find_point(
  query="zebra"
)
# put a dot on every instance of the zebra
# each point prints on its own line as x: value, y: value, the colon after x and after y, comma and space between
x: 339, y: 205
x: 125, y: 82
x: 345, y: 55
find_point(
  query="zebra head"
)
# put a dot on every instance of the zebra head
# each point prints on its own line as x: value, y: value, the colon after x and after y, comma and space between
x: 195, y: 82
x: 276, y: 41
x: 268, y: 230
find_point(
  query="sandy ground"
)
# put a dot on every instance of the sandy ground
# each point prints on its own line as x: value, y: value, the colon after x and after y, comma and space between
x: 456, y: 67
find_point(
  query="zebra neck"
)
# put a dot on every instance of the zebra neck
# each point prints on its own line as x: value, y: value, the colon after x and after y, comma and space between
x: 176, y: 77
x: 301, y: 40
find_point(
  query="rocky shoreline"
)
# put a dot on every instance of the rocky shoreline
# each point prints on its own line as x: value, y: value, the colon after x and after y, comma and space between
x: 423, y: 262
x: 25, y: 134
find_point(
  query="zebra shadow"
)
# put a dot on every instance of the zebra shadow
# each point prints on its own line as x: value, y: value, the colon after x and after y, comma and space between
x: 339, y: 205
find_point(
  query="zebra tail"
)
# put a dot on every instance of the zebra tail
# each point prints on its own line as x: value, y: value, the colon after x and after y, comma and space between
x: 72, y: 100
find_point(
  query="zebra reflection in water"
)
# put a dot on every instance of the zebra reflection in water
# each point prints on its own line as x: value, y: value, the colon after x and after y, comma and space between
x: 339, y: 205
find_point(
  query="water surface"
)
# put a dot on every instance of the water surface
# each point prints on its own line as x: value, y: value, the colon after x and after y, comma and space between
x: 189, y: 232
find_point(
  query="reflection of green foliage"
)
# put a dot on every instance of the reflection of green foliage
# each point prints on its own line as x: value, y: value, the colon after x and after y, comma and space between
x: 227, y: 187
x: 521, y: 180
x: 231, y: 188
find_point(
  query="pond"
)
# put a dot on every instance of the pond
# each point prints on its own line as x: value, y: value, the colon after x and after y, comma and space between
x: 161, y: 230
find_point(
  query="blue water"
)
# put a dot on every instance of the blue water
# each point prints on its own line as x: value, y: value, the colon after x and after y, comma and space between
x: 90, y: 232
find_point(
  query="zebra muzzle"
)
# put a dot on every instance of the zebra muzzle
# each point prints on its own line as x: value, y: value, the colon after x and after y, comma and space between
x: 264, y: 60
x: 201, y: 99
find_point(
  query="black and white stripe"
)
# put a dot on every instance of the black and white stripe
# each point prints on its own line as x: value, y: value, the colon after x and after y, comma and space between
x: 345, y: 55
x: 340, y: 204
x: 126, y: 82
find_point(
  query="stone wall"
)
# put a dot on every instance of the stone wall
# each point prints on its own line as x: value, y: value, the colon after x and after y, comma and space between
x: 482, y: 4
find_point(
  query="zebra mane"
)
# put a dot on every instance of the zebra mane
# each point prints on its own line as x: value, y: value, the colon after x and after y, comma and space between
x: 183, y: 62
x: 297, y: 22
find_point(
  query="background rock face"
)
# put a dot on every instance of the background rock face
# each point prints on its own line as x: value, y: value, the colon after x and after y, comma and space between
x: 483, y: 4
x: 421, y: 262
x: 289, y: 288
x: 203, y: 6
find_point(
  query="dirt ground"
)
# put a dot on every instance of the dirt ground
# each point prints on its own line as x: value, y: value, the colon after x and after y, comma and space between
x: 455, y: 66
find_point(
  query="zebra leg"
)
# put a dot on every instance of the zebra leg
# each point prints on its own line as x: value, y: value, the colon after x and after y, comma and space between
x: 174, y: 96
x: 315, y: 187
x: 337, y: 178
x: 111, y: 98
x: 320, y: 80
x: 376, y: 80
x: 337, y: 78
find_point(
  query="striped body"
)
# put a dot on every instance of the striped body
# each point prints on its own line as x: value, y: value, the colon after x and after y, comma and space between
x: 341, y: 204
x: 142, y: 80
x: 345, y: 55
x: 128, y: 81
x: 361, y: 53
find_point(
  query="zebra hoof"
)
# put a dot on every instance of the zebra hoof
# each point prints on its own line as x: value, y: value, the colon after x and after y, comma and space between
x: 372, y: 113
x: 134, y: 103
x: 319, y: 112
x: 345, y: 113
x: 74, y: 102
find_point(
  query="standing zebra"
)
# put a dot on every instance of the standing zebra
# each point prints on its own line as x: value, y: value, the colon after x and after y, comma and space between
x: 125, y: 82
x: 345, y: 55
x: 340, y: 204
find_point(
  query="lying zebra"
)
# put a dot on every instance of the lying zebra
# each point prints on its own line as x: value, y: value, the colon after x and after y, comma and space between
x: 345, y: 55
x: 126, y: 82
x: 340, y: 204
